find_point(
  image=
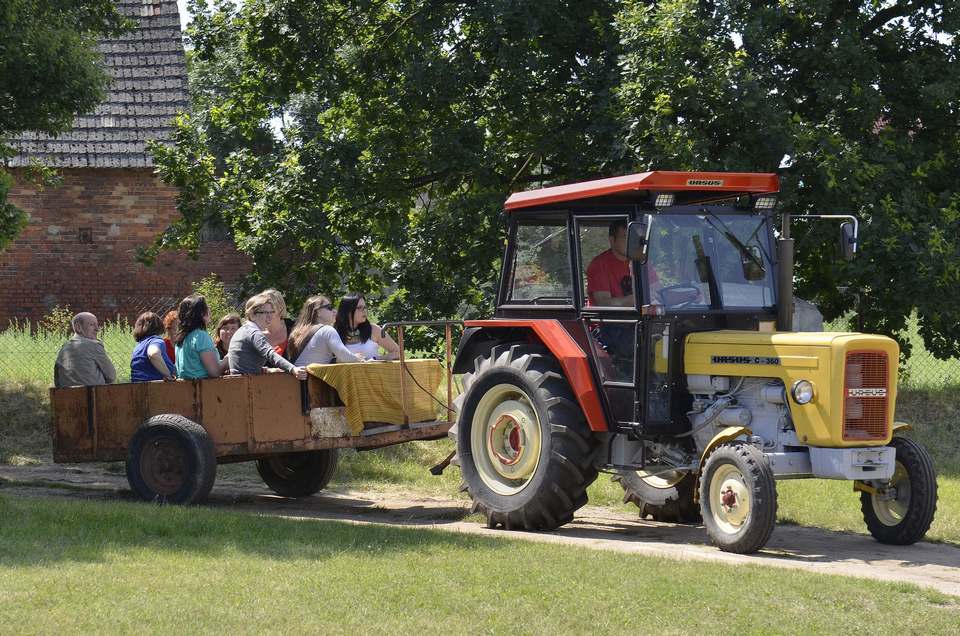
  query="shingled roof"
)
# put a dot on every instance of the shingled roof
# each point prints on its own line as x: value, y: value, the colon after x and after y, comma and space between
x: 149, y: 87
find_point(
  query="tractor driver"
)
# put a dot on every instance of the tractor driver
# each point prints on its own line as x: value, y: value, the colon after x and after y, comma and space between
x: 609, y: 281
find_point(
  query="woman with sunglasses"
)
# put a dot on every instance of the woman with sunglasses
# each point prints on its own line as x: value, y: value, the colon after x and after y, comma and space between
x: 249, y: 350
x: 359, y: 334
x: 313, y: 339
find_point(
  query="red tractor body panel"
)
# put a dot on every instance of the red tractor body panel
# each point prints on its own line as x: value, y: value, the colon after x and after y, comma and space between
x: 571, y: 357
x: 659, y: 181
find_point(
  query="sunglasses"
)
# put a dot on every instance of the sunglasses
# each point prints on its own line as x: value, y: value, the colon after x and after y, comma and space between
x: 264, y: 313
x: 327, y: 306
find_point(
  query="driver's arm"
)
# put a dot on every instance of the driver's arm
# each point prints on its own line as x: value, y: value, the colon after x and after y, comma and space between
x: 606, y: 299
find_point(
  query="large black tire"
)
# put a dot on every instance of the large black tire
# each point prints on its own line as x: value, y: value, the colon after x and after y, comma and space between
x: 660, y: 498
x: 906, y: 517
x: 524, y: 447
x: 298, y: 474
x: 738, y: 498
x: 171, y: 460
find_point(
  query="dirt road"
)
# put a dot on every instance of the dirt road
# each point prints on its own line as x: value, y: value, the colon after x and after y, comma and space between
x: 927, y: 564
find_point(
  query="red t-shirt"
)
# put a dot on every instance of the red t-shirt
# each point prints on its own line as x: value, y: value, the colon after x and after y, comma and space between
x: 607, y: 273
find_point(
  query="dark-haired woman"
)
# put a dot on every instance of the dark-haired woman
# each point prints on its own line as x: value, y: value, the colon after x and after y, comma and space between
x: 150, y: 360
x: 226, y: 327
x: 314, y: 340
x: 361, y: 336
x: 197, y: 356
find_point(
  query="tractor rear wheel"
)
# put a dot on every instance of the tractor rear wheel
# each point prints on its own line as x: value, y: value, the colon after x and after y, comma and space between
x: 524, y: 447
x: 738, y: 498
x: 298, y: 474
x: 901, y: 513
x: 662, y: 496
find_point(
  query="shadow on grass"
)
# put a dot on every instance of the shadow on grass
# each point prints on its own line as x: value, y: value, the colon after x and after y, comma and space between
x: 25, y: 431
x: 40, y: 531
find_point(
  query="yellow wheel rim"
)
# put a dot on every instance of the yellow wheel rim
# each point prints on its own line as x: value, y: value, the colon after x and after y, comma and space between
x: 892, y: 510
x: 730, y: 502
x: 505, y: 439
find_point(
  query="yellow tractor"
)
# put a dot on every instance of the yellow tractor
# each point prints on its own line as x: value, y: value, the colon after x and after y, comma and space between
x: 645, y: 326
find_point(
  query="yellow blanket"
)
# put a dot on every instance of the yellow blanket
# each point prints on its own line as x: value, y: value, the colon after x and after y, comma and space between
x: 371, y: 390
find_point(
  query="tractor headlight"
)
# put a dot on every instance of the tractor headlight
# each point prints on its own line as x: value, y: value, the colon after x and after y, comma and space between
x: 802, y: 391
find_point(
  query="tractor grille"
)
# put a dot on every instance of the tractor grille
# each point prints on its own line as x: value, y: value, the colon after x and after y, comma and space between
x: 866, y: 396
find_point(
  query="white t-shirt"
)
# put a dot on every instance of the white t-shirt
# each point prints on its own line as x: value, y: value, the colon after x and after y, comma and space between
x: 325, y: 347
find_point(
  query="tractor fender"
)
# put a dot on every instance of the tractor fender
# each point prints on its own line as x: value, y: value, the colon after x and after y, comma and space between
x: 726, y: 435
x: 481, y: 335
x: 902, y: 427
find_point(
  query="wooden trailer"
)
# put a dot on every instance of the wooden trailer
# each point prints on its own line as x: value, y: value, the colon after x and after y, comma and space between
x: 172, y: 435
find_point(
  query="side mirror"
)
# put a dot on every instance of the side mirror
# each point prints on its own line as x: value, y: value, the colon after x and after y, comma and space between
x: 848, y: 241
x: 638, y: 235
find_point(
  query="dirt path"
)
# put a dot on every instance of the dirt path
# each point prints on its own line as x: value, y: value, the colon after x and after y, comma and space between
x: 815, y: 550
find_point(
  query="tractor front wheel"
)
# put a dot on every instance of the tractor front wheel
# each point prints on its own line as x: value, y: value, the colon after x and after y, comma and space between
x: 900, y: 511
x: 738, y: 498
x: 524, y: 447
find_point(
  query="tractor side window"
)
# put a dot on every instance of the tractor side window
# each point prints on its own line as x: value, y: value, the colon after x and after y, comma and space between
x: 607, y: 277
x: 541, y: 265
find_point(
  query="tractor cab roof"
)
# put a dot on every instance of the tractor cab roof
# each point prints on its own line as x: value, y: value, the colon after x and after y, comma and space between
x: 688, y: 188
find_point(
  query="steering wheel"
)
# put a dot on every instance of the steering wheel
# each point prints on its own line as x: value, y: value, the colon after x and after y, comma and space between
x: 679, y: 296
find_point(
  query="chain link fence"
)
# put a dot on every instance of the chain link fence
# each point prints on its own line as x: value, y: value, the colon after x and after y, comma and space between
x: 28, y: 352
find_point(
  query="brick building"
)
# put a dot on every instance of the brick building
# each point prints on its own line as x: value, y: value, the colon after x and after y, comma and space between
x: 79, y: 248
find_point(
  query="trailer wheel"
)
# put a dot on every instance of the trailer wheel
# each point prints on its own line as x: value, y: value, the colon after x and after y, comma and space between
x: 298, y: 474
x: 902, y: 513
x: 524, y: 446
x: 661, y: 497
x: 738, y: 498
x: 171, y: 460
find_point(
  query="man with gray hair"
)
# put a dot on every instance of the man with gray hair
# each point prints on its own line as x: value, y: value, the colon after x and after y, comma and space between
x: 82, y: 360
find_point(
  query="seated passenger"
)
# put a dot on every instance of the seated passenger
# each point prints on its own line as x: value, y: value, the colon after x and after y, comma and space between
x: 226, y: 327
x: 196, y: 355
x: 314, y: 340
x: 249, y: 350
x: 82, y: 360
x: 170, y: 326
x: 359, y: 334
x: 609, y: 281
x: 278, y: 329
x: 150, y: 361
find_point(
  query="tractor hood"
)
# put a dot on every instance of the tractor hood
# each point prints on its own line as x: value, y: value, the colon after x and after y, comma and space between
x: 854, y: 376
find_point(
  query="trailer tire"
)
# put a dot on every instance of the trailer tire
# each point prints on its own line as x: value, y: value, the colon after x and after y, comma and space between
x: 525, y: 450
x: 906, y: 518
x: 298, y: 474
x: 738, y: 498
x: 668, y: 500
x: 171, y: 459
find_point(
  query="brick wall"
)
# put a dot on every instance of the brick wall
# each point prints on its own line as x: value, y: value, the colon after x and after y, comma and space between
x: 79, y: 248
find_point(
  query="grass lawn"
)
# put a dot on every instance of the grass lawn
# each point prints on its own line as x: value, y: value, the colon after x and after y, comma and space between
x: 117, y: 568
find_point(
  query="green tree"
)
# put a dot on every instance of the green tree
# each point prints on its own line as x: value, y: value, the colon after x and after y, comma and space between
x: 855, y: 104
x: 405, y: 126
x: 49, y: 72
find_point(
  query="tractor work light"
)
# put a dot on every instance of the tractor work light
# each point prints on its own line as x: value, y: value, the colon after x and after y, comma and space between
x: 802, y: 391
x: 663, y: 200
x: 765, y: 202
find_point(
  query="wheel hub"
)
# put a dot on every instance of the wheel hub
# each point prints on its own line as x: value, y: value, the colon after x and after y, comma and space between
x: 163, y: 466
x: 892, y: 502
x: 506, y: 439
x: 730, y: 499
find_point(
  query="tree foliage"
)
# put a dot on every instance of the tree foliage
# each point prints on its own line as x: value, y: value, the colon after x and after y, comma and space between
x: 404, y: 125
x: 855, y: 104
x: 49, y: 72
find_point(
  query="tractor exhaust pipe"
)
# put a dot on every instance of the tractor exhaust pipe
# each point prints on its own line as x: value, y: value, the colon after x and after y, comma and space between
x: 785, y: 281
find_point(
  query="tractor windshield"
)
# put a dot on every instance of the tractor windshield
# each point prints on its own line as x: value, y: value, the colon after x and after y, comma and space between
x: 710, y: 259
